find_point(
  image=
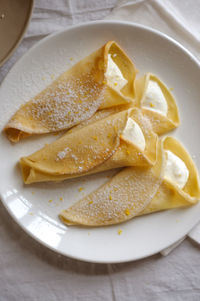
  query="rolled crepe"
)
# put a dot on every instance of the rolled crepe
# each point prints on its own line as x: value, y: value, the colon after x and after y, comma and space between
x: 101, y: 114
x: 169, y: 195
x: 136, y: 191
x: 94, y: 148
x: 160, y: 123
x: 102, y: 80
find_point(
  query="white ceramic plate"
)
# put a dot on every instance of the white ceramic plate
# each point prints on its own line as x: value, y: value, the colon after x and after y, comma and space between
x: 30, y: 206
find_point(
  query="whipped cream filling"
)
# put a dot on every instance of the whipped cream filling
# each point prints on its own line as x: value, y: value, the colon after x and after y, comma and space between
x: 114, y: 76
x: 154, y: 99
x: 133, y: 133
x: 175, y: 170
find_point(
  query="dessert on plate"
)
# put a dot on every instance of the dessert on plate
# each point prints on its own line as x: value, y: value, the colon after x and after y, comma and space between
x: 112, y: 120
x: 171, y: 183
x: 157, y: 103
x: 103, y: 79
x: 122, y: 139
x: 155, y: 100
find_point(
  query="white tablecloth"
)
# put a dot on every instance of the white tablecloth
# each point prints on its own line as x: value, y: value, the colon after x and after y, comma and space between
x: 29, y: 271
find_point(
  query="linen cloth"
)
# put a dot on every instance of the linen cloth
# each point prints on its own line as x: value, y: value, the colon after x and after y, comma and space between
x: 29, y: 271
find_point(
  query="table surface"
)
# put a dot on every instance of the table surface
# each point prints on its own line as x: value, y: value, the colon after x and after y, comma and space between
x: 29, y: 271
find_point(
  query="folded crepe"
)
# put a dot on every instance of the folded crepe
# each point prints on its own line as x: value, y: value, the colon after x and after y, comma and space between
x: 122, y: 139
x: 154, y: 99
x: 101, y: 114
x: 157, y: 103
x: 102, y: 80
x: 180, y: 185
x: 171, y: 183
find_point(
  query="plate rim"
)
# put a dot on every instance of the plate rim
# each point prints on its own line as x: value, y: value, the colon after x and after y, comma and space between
x: 99, y: 22
x: 43, y: 40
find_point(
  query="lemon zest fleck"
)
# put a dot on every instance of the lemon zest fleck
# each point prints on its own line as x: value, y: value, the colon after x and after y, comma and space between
x: 119, y: 232
x: 90, y: 202
x: 80, y: 189
x: 50, y: 201
x: 127, y: 212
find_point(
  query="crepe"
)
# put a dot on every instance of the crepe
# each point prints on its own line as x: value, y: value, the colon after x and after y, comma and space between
x: 161, y: 124
x: 120, y: 199
x: 93, y: 148
x: 136, y: 191
x: 75, y: 95
x: 170, y: 196
x: 101, y: 114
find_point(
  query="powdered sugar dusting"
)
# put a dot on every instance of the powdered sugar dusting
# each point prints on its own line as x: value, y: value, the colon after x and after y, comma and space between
x: 145, y: 123
x: 124, y: 197
x: 65, y: 103
x: 83, y: 155
x: 155, y: 122
x: 61, y: 155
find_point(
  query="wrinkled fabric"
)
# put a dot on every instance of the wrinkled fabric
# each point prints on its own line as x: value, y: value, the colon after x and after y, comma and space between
x: 178, y: 19
x: 29, y: 271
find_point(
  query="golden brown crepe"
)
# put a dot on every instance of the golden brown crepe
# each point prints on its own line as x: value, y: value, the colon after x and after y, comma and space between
x: 136, y: 191
x: 169, y: 195
x: 93, y: 148
x: 74, y: 96
x: 161, y: 124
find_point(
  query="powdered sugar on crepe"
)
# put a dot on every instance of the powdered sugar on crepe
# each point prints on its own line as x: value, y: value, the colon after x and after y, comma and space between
x: 124, y: 197
x: 68, y: 104
x: 61, y: 155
